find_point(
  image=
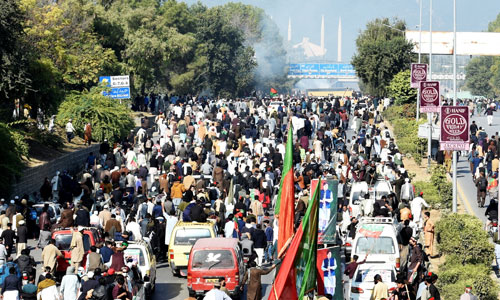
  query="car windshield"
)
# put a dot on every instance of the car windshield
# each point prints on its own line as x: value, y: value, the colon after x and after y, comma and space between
x: 217, y: 259
x: 368, y: 275
x: 135, y: 255
x: 63, y: 241
x: 189, y: 236
x: 380, y: 245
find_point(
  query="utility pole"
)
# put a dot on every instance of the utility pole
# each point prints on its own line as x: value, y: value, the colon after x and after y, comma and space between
x: 430, y: 115
x: 454, y: 100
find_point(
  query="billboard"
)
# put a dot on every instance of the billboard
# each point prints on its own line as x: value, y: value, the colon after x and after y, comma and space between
x: 454, y: 128
x: 429, y: 96
x: 468, y: 43
x: 319, y: 70
x: 329, y: 266
x: 120, y: 86
x: 418, y: 74
x: 327, y: 219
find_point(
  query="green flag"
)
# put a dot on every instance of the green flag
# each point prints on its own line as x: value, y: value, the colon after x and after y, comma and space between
x: 306, y: 263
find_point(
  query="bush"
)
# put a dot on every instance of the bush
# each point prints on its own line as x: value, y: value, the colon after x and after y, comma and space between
x: 453, y: 277
x: 402, y: 119
x: 400, y: 89
x: 11, y: 150
x: 463, y: 237
x: 109, y: 119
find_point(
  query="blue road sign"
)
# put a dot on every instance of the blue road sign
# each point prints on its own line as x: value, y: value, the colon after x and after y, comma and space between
x: 119, y: 93
x: 336, y: 70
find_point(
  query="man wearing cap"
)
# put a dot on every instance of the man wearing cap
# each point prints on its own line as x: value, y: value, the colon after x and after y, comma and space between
x: 105, y: 216
x: 22, y: 237
x: 76, y: 247
x: 69, y: 130
x: 467, y: 295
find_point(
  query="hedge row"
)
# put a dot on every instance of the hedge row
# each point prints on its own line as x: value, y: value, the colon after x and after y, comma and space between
x: 438, y: 191
x: 402, y: 119
x: 468, y: 257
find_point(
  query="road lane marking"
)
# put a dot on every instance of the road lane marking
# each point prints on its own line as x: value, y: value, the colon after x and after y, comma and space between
x: 468, y: 206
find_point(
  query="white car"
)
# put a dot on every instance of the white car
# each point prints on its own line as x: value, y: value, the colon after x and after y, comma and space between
x: 362, y: 283
x: 273, y: 106
x: 377, y: 237
x: 54, y: 211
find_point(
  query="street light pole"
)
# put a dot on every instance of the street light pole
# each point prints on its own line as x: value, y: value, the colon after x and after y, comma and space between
x: 419, y: 58
x: 454, y: 100
x: 429, y: 115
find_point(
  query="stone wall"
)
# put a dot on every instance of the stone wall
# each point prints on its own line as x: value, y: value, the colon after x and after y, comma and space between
x: 32, y: 178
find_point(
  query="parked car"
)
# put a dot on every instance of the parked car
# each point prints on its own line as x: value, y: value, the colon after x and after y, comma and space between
x: 356, y: 197
x: 362, y: 283
x: 140, y: 252
x: 184, y: 236
x: 63, y: 236
x: 54, y: 211
x: 213, y: 259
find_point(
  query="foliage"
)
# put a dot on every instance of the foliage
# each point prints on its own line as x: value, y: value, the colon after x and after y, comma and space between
x: 406, y: 130
x: 14, y: 80
x: 483, y: 73
x: 463, y: 237
x: 382, y: 52
x: 453, y: 277
x: 109, y: 119
x: 11, y: 150
x: 479, y: 76
x: 400, y: 88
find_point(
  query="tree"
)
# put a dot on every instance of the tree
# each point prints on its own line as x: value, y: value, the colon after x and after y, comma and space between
x: 483, y: 73
x: 382, y: 52
x: 479, y: 76
x: 400, y: 88
x: 109, y: 118
x: 14, y: 79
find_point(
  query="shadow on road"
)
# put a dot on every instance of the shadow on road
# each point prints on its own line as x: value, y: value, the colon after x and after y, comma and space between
x: 167, y: 290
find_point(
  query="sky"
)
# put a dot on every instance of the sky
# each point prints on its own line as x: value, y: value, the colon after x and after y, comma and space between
x: 306, y: 17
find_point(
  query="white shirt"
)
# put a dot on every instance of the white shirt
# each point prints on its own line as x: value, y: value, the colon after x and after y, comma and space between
x: 49, y: 293
x: 216, y: 294
x: 169, y: 228
x: 228, y: 229
x: 136, y: 230
x: 416, y: 207
x: 69, y: 127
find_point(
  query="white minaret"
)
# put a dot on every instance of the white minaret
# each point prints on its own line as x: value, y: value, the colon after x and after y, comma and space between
x: 322, y: 33
x: 289, y: 29
x: 339, y: 41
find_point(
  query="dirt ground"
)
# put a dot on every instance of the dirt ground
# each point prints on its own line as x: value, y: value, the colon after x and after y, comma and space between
x: 40, y: 153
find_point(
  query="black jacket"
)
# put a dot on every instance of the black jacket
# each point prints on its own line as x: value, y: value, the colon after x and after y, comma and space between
x: 82, y: 218
x: 259, y: 238
x: 11, y: 283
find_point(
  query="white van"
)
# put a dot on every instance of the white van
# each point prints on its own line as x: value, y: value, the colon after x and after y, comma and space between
x: 377, y: 237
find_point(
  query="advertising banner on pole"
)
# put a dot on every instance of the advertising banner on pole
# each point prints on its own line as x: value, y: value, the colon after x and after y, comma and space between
x: 429, y: 96
x: 327, y: 219
x: 418, y: 74
x: 329, y: 265
x: 454, y: 122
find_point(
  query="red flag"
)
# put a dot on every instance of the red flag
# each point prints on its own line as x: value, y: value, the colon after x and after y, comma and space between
x: 297, y: 274
x: 284, y: 207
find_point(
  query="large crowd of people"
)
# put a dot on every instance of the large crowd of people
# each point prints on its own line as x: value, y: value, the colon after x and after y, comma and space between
x: 220, y: 161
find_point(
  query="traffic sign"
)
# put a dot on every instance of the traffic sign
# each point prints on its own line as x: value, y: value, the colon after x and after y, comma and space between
x: 120, y: 86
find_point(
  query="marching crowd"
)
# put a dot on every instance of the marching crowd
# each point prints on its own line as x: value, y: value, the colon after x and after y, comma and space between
x: 216, y: 161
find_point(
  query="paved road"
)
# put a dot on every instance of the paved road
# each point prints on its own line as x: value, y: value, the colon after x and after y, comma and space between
x: 466, y: 189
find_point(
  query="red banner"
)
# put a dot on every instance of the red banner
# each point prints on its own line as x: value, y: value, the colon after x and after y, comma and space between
x: 454, y: 128
x: 418, y: 74
x: 429, y: 96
